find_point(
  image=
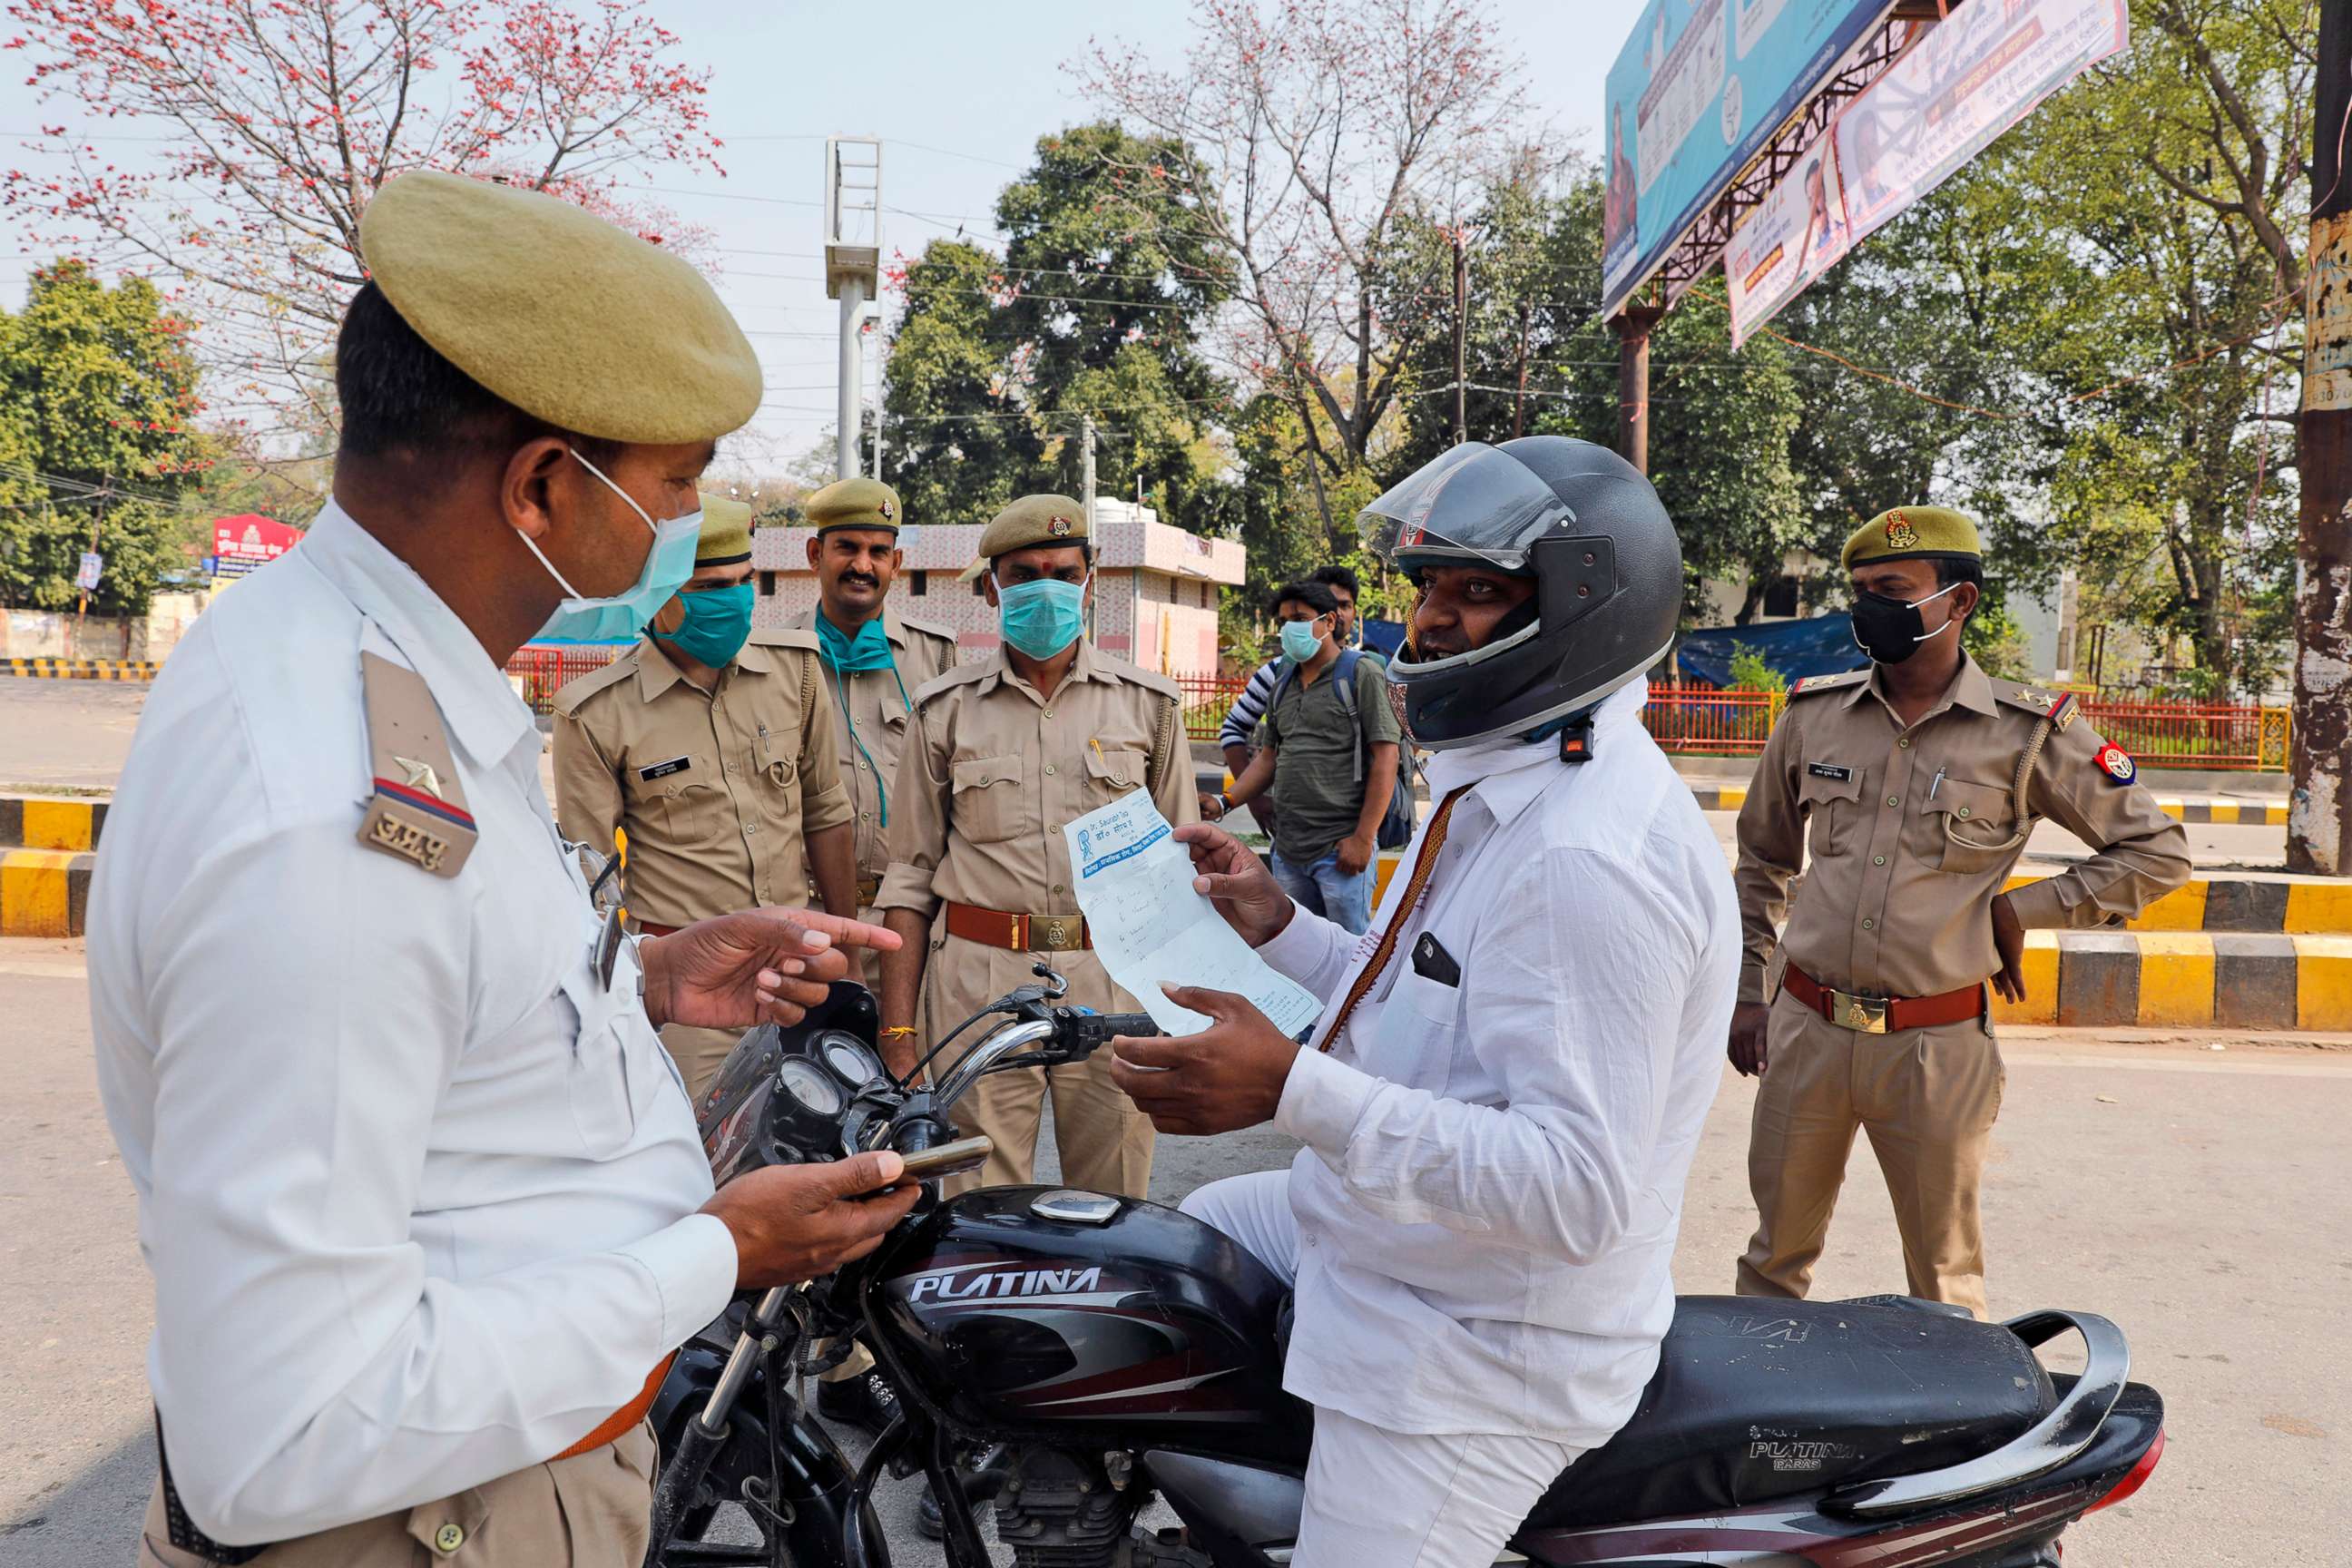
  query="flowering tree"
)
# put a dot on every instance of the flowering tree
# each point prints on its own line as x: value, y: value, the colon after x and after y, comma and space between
x: 1303, y: 134
x: 273, y: 121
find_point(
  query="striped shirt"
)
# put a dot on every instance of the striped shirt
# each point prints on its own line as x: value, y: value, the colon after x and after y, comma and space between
x: 1242, y: 718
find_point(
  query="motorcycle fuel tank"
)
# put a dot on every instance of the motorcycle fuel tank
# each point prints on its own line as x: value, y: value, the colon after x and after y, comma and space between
x: 1127, y: 1324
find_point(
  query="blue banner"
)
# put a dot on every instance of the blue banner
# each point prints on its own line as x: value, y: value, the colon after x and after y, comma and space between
x: 1823, y: 645
x: 1695, y: 94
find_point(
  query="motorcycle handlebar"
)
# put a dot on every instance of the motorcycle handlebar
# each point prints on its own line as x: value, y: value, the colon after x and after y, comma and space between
x: 1082, y: 1033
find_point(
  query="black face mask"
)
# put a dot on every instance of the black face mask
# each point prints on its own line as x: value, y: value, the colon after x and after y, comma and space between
x: 1891, y: 630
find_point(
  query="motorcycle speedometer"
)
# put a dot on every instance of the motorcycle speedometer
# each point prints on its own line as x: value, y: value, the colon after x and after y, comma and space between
x: 851, y: 1062
x: 807, y: 1084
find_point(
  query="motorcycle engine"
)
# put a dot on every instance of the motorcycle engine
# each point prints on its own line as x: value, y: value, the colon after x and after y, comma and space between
x: 1060, y: 1509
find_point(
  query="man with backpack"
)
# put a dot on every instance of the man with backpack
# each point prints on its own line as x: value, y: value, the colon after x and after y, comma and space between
x: 1332, y: 757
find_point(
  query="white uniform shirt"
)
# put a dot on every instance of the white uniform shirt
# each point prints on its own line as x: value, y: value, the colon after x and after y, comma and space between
x: 417, y: 1191
x: 1493, y: 1181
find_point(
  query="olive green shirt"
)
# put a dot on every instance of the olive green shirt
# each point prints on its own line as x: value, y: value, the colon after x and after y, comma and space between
x: 1321, y: 760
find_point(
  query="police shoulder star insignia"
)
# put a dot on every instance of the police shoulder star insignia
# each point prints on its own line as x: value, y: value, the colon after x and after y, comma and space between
x: 1900, y: 535
x: 421, y: 776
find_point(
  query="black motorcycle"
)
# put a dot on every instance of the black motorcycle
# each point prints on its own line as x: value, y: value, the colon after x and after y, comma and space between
x: 1104, y: 1352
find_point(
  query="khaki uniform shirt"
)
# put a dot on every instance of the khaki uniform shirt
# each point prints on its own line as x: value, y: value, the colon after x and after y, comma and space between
x: 871, y: 708
x: 717, y: 790
x: 984, y: 786
x: 1896, y: 898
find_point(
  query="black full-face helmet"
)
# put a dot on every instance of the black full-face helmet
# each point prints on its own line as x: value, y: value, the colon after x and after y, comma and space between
x: 1587, y: 527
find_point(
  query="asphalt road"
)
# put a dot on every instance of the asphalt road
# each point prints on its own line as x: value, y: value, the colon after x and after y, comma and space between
x: 2196, y: 1196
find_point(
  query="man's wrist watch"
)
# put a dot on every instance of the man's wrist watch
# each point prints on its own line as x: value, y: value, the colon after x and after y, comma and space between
x: 1224, y: 805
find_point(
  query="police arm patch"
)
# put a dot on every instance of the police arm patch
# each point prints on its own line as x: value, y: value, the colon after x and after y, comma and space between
x: 2117, y: 763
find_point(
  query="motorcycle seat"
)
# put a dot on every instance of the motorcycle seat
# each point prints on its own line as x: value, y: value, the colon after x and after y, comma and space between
x: 1758, y: 1399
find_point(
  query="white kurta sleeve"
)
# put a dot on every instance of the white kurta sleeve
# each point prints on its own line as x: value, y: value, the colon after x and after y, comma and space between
x: 311, y: 999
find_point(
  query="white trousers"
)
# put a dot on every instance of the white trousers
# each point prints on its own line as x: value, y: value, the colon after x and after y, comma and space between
x: 1378, y: 1498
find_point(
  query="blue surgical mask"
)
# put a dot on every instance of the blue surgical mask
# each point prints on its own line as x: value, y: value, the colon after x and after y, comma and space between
x: 1299, y: 643
x: 621, y: 617
x: 718, y: 622
x: 1042, y: 617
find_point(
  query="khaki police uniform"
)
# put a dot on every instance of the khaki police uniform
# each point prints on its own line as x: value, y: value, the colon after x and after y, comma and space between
x: 871, y: 714
x: 992, y: 772
x: 716, y: 790
x: 433, y: 1090
x: 1905, y: 836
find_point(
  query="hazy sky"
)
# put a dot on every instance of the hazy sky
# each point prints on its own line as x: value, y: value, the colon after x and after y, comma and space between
x: 959, y: 93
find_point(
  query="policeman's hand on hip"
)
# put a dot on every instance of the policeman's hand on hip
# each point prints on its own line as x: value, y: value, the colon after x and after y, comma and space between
x: 1748, y: 1021
x: 792, y: 1223
x: 1228, y: 1076
x: 762, y: 966
x: 1237, y: 882
x: 2009, y: 940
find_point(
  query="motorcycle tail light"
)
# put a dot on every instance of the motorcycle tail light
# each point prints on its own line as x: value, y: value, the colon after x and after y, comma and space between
x: 2134, y: 1479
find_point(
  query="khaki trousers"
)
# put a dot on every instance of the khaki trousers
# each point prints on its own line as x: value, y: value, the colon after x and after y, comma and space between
x: 593, y: 1511
x: 1928, y: 1099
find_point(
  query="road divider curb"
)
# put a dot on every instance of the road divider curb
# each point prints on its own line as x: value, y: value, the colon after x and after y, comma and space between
x: 33, y: 822
x: 44, y: 892
x: 83, y: 668
x: 2193, y: 980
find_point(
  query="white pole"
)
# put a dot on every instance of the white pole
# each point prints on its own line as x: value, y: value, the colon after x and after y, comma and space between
x: 1086, y: 468
x: 853, y: 363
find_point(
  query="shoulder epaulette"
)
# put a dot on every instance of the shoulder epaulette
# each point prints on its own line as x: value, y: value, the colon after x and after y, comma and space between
x: 576, y: 691
x: 961, y: 674
x: 1813, y: 684
x: 784, y: 636
x: 2058, y: 706
x: 1136, y: 675
x: 928, y: 628
x: 417, y: 812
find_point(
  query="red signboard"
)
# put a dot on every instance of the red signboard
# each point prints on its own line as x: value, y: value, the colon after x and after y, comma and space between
x: 252, y: 538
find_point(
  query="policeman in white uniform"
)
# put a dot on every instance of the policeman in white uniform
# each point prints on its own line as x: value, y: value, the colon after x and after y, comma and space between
x: 420, y: 1190
x: 1501, y: 1100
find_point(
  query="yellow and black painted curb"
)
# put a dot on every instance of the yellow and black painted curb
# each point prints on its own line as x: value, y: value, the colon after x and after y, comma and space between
x: 83, y: 668
x: 2196, y: 979
x: 44, y: 892
x: 34, y: 823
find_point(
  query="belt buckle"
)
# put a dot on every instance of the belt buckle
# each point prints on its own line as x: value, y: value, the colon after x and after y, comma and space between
x: 1863, y: 1014
x: 1055, y: 933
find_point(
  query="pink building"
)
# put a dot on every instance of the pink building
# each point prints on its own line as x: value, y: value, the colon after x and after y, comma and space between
x: 1155, y: 600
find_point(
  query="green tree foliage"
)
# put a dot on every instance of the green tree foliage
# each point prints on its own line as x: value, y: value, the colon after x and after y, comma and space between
x: 1094, y: 310
x: 96, y: 390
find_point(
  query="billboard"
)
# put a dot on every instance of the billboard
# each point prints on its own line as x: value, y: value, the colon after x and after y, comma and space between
x: 245, y: 542
x: 1695, y: 94
x: 1975, y: 75
x: 1796, y: 233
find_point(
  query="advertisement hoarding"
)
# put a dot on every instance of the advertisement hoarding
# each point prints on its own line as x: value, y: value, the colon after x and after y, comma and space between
x: 1975, y: 75
x: 244, y: 543
x: 1696, y: 92
x: 1971, y: 77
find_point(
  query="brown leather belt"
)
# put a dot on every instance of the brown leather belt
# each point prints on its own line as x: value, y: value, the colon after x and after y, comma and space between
x: 1884, y: 1014
x: 625, y: 1418
x: 1021, y: 933
x: 647, y: 927
x: 868, y: 889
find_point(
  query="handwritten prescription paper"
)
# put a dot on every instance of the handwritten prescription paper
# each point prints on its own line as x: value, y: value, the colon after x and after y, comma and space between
x: 1135, y: 887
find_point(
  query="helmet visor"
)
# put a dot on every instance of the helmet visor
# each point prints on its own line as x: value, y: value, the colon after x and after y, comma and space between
x: 1474, y: 503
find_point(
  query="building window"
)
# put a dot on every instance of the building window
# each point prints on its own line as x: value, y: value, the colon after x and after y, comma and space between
x: 767, y: 585
x: 980, y: 586
x: 1780, y: 598
x: 920, y: 585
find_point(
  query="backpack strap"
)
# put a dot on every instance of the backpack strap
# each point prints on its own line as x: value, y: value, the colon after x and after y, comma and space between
x: 1344, y: 672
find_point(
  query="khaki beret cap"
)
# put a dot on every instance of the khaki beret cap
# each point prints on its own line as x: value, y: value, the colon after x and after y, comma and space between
x: 855, y: 503
x: 1032, y: 519
x: 726, y: 531
x: 1914, y: 533
x: 558, y: 313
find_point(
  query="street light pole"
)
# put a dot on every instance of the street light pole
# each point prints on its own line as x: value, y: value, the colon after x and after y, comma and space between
x: 853, y: 260
x: 2319, y: 815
